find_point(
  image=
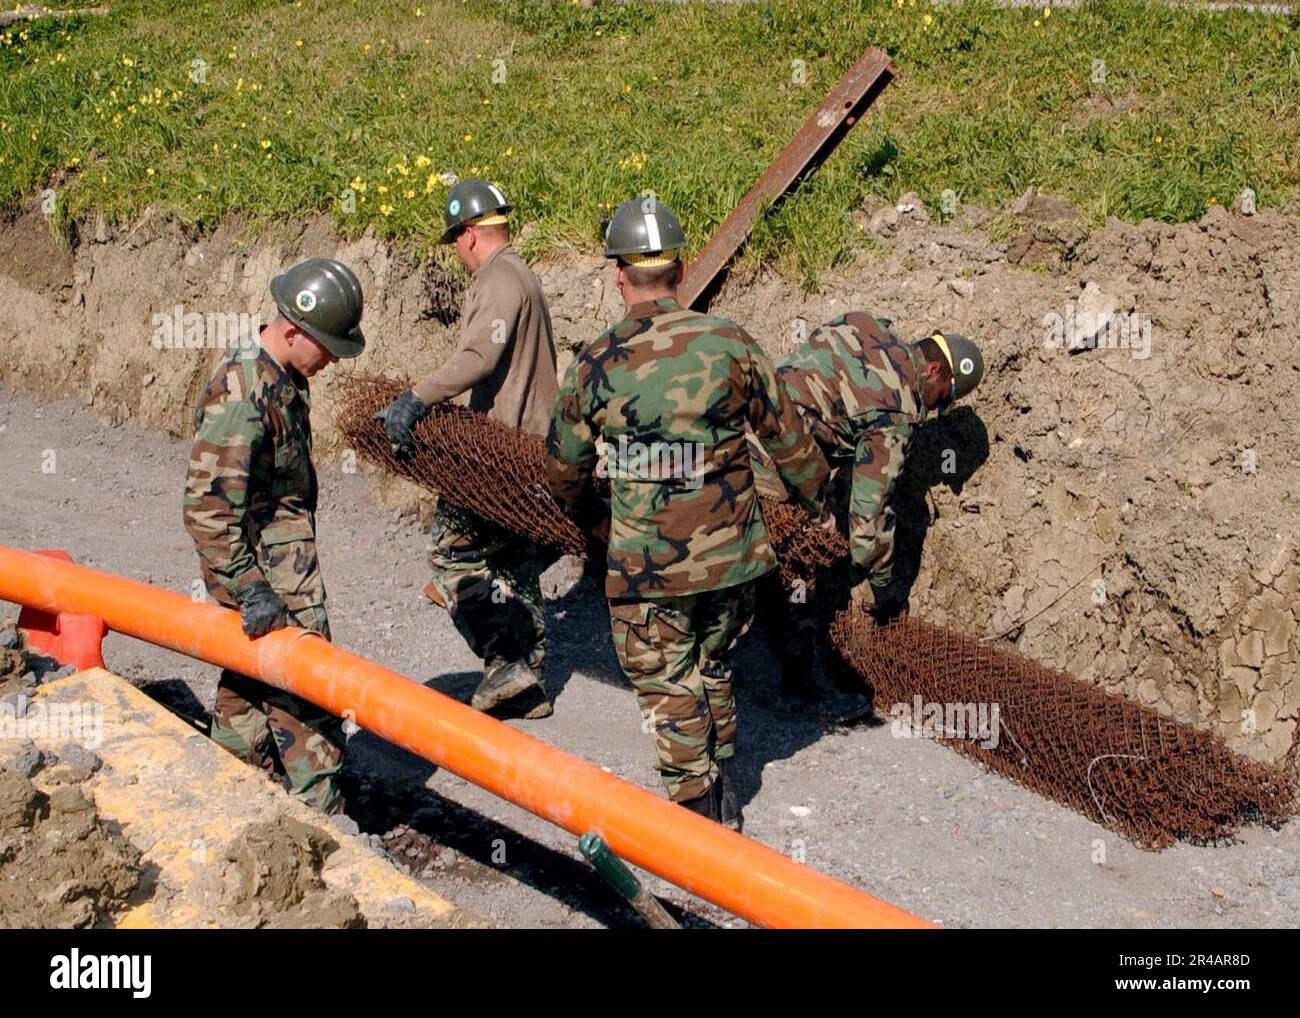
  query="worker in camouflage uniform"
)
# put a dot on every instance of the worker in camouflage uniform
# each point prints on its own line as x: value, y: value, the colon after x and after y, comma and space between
x: 488, y: 579
x: 250, y: 507
x: 861, y: 392
x: 659, y: 404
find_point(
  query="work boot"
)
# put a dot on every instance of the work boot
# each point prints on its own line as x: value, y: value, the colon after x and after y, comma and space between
x: 434, y: 594
x: 807, y: 698
x: 705, y: 805
x: 532, y: 705
x: 729, y: 814
x: 504, y: 682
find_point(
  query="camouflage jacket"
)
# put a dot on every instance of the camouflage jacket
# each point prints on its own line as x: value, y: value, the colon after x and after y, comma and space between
x: 668, y: 394
x: 250, y: 493
x: 857, y: 387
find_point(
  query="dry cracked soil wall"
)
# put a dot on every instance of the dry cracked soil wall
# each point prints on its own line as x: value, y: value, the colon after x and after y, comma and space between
x: 1127, y: 512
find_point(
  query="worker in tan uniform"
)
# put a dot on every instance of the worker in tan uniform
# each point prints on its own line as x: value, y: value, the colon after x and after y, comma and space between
x: 488, y: 579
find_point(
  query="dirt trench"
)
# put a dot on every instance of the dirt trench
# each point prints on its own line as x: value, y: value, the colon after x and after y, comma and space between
x: 1125, y: 510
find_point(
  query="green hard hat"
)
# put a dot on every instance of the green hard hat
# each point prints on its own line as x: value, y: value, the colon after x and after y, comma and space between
x: 964, y: 358
x: 644, y: 231
x: 323, y: 298
x: 476, y: 202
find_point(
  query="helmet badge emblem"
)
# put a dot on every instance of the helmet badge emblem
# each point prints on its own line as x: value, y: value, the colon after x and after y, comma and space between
x: 453, y: 207
x: 966, y: 366
x: 305, y: 301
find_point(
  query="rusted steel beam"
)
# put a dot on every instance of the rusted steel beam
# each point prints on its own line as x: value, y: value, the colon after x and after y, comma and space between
x: 815, y: 140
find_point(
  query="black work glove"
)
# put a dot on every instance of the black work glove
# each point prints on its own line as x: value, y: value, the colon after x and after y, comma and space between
x: 890, y: 602
x: 399, y: 417
x: 260, y: 608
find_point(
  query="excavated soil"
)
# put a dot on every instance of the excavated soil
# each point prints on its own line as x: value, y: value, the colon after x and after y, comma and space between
x: 60, y: 867
x: 1126, y: 514
x: 268, y: 876
x: 14, y: 674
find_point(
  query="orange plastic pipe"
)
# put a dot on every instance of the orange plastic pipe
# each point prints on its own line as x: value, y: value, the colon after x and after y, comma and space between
x: 702, y: 857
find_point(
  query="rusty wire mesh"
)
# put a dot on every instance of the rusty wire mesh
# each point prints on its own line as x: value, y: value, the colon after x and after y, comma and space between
x: 1126, y: 766
x: 473, y: 462
x: 1121, y: 764
x: 805, y: 552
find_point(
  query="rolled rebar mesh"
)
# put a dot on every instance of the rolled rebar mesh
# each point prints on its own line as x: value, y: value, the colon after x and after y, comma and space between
x: 1128, y: 767
x: 474, y: 462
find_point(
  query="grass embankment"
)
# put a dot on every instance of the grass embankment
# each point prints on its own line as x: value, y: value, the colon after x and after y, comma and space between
x: 208, y: 109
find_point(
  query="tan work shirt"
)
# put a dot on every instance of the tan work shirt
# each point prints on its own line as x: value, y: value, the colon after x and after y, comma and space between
x: 506, y: 356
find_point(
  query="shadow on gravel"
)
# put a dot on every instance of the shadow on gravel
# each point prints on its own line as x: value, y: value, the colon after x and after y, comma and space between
x: 578, y: 640
x: 432, y: 837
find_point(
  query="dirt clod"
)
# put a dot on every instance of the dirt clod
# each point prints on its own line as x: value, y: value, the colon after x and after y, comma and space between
x: 15, y: 676
x: 59, y: 865
x: 81, y: 762
x: 26, y: 759
x: 268, y: 876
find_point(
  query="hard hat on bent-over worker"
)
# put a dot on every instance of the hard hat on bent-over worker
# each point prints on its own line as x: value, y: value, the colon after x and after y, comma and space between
x: 964, y: 359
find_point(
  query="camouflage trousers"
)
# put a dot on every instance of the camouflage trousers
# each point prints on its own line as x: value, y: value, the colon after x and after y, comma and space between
x: 283, y: 734
x: 673, y: 651
x: 490, y: 581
